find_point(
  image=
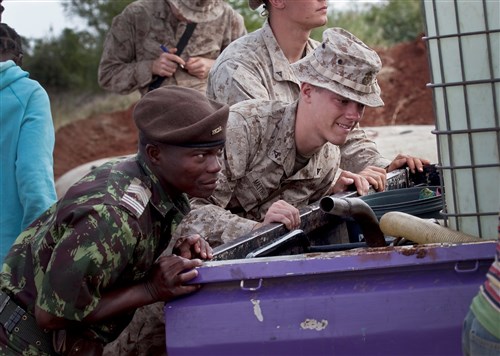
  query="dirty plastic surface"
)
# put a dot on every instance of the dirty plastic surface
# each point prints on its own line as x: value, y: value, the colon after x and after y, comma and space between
x: 407, y: 300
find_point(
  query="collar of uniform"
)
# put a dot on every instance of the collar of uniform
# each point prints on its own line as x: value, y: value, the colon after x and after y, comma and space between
x: 316, y: 164
x: 159, y: 198
x: 311, y: 45
x: 281, y: 67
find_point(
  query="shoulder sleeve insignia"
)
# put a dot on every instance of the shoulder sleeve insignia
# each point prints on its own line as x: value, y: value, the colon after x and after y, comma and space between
x: 136, y: 197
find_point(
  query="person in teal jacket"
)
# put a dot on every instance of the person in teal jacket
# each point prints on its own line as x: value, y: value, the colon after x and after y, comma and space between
x: 27, y: 139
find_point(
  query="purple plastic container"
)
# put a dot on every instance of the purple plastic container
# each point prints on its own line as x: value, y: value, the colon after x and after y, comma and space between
x: 407, y: 300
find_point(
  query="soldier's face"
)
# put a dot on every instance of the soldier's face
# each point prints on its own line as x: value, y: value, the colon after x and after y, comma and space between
x: 306, y: 13
x: 189, y: 170
x: 334, y: 115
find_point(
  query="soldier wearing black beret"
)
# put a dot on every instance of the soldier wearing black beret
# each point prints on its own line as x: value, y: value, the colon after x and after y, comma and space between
x: 78, y: 273
x: 179, y: 116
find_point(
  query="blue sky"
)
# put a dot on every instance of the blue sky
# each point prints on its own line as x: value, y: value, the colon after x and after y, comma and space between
x: 35, y: 18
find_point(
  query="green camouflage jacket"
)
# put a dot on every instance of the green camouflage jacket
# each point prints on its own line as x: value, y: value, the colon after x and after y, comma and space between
x: 105, y: 233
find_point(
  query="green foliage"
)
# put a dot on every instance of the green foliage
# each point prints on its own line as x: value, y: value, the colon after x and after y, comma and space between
x: 70, y: 61
x: 383, y: 24
x: 65, y: 62
x: 98, y: 13
x: 401, y: 20
x: 253, y: 18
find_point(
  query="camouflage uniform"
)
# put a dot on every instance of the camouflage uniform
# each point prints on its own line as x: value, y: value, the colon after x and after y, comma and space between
x: 133, y: 43
x: 106, y: 233
x: 254, y: 67
x: 260, y: 159
x: 145, y: 334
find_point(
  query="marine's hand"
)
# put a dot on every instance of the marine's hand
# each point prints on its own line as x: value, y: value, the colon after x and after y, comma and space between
x: 375, y: 176
x: 282, y: 212
x: 168, y: 275
x: 193, y: 247
x: 347, y: 179
x: 167, y: 63
x: 199, y: 66
x: 414, y: 163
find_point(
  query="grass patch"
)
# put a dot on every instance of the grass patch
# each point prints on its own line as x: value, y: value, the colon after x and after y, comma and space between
x: 67, y: 107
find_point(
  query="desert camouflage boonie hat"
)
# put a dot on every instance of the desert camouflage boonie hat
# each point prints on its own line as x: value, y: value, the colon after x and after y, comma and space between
x: 199, y: 10
x: 344, y: 65
x: 253, y: 4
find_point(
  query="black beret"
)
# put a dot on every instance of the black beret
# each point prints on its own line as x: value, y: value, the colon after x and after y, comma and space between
x: 182, y: 117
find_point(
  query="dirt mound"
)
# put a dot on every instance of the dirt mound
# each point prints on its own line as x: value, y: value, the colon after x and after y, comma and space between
x: 101, y: 136
x: 403, y: 82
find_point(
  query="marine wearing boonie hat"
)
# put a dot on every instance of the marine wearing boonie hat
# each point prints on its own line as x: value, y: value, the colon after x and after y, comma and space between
x: 181, y: 116
x: 199, y: 10
x: 344, y: 65
x: 253, y: 4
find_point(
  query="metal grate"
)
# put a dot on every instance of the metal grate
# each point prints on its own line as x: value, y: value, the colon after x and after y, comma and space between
x: 463, y: 40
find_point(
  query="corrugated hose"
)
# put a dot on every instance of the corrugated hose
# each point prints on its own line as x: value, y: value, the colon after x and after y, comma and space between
x: 398, y: 224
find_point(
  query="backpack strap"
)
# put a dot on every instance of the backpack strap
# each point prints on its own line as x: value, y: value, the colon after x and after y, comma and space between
x: 183, y: 41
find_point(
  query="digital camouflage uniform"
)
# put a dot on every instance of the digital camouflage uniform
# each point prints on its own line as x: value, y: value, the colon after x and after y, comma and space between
x: 260, y: 159
x: 106, y: 233
x: 133, y: 43
x: 255, y: 67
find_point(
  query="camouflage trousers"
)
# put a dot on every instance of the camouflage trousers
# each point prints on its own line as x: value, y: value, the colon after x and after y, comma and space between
x: 144, y: 336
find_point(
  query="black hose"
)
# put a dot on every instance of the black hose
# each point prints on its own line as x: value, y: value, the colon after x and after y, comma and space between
x: 361, y: 212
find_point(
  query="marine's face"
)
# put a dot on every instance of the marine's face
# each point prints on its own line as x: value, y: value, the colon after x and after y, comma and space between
x: 189, y: 170
x: 335, y: 116
x: 307, y: 13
